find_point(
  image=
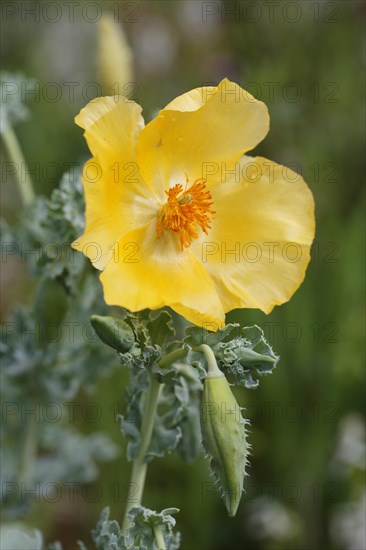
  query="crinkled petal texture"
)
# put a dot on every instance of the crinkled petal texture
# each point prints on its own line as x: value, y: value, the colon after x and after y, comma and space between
x: 116, y: 197
x: 200, y: 134
x: 147, y: 272
x: 257, y: 250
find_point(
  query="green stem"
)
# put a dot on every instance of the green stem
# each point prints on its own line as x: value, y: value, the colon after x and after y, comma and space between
x: 139, y: 465
x: 29, y: 451
x: 159, y: 537
x: 213, y: 370
x: 22, y: 174
x: 171, y: 357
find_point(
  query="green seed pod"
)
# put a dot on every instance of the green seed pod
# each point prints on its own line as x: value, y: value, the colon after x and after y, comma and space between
x: 113, y: 332
x: 224, y: 438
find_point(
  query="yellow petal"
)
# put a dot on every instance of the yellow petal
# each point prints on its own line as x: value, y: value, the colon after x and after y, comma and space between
x: 112, y: 209
x: 198, y: 143
x: 117, y: 200
x: 147, y: 272
x: 112, y: 125
x: 192, y: 100
x: 258, y: 248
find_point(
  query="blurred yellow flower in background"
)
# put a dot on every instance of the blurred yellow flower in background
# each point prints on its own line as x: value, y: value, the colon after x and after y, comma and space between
x: 177, y: 215
x: 114, y: 57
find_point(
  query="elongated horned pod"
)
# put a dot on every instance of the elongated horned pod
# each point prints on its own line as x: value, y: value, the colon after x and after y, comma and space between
x: 224, y: 437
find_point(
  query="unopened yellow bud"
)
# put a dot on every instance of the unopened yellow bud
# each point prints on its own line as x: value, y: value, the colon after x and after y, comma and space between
x: 114, y: 57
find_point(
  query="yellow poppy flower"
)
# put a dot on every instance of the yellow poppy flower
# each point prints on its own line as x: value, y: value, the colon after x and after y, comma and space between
x: 177, y: 215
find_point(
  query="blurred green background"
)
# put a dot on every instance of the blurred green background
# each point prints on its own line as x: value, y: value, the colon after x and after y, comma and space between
x: 305, y: 61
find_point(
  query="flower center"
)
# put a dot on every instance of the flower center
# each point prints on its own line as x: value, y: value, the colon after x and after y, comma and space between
x: 185, y: 210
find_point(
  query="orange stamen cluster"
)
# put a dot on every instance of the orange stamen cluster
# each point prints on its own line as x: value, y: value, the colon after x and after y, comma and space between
x: 185, y: 211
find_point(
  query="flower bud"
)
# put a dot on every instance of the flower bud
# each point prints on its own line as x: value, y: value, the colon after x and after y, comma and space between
x: 224, y: 438
x: 114, y: 57
x: 113, y: 332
